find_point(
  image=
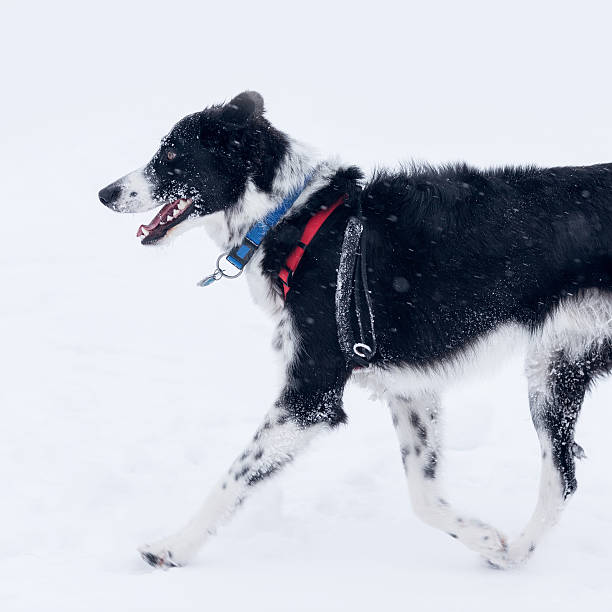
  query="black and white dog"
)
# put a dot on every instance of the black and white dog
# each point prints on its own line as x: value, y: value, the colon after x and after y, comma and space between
x: 457, y: 258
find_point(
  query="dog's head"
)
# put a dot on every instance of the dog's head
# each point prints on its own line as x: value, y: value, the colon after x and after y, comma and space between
x: 202, y: 166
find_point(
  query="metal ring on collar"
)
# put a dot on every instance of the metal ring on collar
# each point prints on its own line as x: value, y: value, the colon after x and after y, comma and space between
x: 362, y: 350
x: 223, y: 273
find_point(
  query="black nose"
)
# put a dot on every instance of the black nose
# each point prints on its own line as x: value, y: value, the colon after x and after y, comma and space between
x: 110, y: 194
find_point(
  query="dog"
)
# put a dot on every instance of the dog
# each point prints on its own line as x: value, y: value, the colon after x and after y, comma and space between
x: 458, y: 258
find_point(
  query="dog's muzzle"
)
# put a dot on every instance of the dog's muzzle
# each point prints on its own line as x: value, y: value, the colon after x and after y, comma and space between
x: 129, y: 194
x: 110, y: 194
x: 132, y: 194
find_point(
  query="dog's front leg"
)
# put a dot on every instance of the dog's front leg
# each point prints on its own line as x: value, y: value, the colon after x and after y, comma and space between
x: 293, y: 421
x: 416, y: 422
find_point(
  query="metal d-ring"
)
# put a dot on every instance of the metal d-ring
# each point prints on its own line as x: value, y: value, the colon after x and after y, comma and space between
x: 359, y: 348
x: 222, y: 272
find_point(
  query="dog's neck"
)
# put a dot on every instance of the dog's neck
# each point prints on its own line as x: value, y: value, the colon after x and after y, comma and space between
x: 301, y: 168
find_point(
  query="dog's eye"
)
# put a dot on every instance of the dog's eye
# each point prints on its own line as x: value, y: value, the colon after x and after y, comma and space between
x: 171, y: 154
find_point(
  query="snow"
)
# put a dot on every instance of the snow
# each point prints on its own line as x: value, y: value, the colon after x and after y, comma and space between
x: 120, y: 395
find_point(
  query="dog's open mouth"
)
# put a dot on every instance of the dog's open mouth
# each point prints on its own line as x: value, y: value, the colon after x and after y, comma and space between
x: 169, y: 216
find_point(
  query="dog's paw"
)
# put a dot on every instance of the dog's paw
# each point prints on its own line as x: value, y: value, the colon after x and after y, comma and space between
x: 498, y: 560
x: 482, y: 538
x: 163, y: 561
x: 160, y: 556
x: 512, y: 557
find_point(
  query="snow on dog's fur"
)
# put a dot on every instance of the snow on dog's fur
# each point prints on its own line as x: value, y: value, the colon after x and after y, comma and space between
x: 460, y: 260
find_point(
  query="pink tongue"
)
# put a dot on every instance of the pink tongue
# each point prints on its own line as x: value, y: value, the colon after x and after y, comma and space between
x: 162, y: 214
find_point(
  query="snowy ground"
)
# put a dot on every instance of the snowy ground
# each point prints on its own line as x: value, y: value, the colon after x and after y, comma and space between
x: 119, y: 409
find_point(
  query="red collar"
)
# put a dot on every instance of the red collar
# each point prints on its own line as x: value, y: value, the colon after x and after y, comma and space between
x: 310, y: 231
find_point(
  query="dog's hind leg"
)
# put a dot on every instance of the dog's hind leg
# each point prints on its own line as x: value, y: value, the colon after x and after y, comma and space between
x: 294, y: 420
x: 558, y: 382
x: 416, y: 422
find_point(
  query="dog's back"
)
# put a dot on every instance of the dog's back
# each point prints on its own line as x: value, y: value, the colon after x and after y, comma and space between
x: 458, y: 251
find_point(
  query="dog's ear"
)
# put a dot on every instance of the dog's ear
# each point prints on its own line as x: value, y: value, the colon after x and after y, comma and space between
x: 244, y: 106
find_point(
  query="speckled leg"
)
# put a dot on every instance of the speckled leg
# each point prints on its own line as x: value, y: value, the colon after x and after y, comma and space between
x: 416, y: 422
x: 288, y: 427
x: 557, y: 385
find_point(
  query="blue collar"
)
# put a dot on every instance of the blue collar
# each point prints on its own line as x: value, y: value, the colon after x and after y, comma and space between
x: 240, y: 255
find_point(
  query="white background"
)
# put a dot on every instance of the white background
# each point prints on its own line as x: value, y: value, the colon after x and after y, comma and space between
x: 118, y: 401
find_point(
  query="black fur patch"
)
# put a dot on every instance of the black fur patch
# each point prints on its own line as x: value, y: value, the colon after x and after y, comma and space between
x: 262, y: 474
x: 569, y: 379
x: 429, y: 471
x: 242, y: 473
x: 419, y: 427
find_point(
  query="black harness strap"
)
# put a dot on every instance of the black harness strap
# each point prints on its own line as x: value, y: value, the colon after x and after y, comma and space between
x: 352, y: 291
